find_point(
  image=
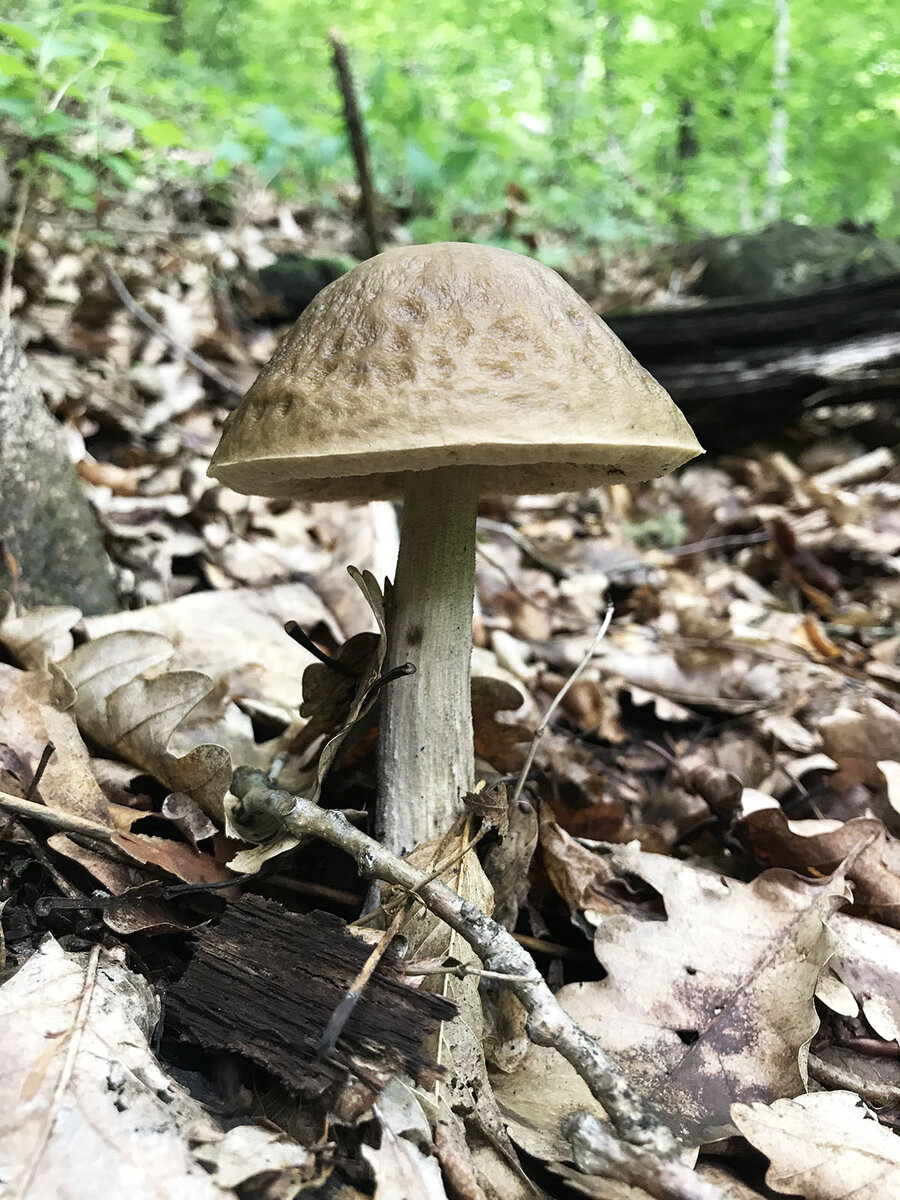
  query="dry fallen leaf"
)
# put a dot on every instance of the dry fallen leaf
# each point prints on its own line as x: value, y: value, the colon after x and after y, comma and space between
x: 334, y: 703
x: 404, y: 1165
x: 714, y: 1003
x: 31, y: 716
x: 825, y: 1146
x: 84, y: 1098
x: 817, y: 848
x: 867, y: 962
x: 498, y: 742
x: 858, y: 738
x: 38, y: 636
x: 237, y: 636
x: 135, y: 715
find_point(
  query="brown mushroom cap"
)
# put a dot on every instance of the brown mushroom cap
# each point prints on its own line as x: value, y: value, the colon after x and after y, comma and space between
x: 442, y: 355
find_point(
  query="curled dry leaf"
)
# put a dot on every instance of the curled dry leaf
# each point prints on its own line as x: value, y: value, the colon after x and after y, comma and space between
x: 497, y: 742
x: 236, y: 637
x: 491, y: 805
x: 38, y: 636
x: 134, y: 716
x: 715, y: 1003
x: 826, y: 1146
x: 33, y: 712
x: 507, y: 863
x: 867, y: 962
x: 858, y: 738
x: 404, y: 1164
x: 333, y: 703
x: 817, y: 848
x: 137, y: 906
x: 576, y: 873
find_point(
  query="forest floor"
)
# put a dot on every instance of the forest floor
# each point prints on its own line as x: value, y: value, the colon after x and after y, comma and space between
x: 705, y: 866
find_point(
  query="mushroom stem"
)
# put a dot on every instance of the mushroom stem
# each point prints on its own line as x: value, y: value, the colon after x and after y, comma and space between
x: 425, y: 742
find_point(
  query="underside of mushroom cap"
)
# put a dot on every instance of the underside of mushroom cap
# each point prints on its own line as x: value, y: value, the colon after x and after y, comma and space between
x: 442, y: 355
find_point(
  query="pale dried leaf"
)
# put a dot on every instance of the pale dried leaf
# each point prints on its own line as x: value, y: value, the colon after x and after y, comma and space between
x: 335, y: 704
x: 29, y: 719
x: 859, y: 738
x: 249, y: 1150
x: 38, y: 636
x: 891, y: 772
x: 404, y: 1164
x: 237, y: 636
x: 82, y: 1094
x: 135, y: 716
x: 537, y: 1096
x: 825, y: 1146
x: 715, y: 1003
x: 867, y: 961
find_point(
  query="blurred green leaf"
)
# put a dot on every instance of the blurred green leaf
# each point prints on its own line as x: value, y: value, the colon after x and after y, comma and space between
x: 162, y: 134
x: 10, y: 66
x: 120, y: 168
x: 20, y: 35
x: 79, y: 176
x: 424, y: 172
x: 124, y: 11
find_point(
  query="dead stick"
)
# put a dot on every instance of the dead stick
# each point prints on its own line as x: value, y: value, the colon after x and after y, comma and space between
x: 652, y: 1153
x: 136, y: 310
x: 55, y: 818
x: 358, y: 143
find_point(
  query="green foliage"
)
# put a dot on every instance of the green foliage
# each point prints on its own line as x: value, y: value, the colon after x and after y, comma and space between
x: 628, y: 120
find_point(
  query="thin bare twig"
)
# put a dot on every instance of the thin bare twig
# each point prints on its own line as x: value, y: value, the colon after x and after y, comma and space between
x: 347, y: 1004
x: 461, y: 970
x: 598, y: 1152
x: 136, y: 310
x: 555, y: 703
x: 55, y: 818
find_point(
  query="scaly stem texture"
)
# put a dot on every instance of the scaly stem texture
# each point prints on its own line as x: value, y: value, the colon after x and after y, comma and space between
x: 425, y: 741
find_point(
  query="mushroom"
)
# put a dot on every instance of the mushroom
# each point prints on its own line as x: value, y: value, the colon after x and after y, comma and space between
x: 437, y: 374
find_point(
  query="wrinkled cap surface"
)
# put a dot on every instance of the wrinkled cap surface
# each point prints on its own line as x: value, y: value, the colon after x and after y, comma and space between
x: 430, y: 356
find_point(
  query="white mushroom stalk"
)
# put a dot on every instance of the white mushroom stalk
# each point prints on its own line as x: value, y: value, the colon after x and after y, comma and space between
x: 425, y: 739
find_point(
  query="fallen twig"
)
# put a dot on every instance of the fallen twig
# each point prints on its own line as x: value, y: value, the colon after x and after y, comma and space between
x: 548, y: 1023
x: 554, y: 704
x: 55, y: 818
x: 598, y: 1152
x: 136, y: 310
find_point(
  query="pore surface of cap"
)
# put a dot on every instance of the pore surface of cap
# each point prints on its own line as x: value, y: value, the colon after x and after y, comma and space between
x: 442, y: 355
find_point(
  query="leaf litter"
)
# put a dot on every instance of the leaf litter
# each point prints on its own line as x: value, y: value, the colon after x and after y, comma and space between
x: 722, y: 777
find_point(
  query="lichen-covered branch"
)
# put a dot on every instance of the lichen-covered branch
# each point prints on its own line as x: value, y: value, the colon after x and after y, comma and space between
x: 548, y: 1022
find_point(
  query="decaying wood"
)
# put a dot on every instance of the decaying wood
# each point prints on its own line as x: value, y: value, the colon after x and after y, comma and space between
x: 264, y: 982
x: 741, y: 370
